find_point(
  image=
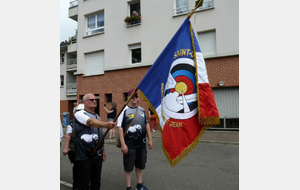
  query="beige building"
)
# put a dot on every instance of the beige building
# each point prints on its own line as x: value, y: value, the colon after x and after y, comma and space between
x: 107, y: 48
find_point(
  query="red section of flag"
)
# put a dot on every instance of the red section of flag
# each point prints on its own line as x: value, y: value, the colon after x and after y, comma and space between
x: 177, y: 135
x: 208, y: 107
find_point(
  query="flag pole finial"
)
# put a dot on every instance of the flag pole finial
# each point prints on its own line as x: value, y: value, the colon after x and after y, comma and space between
x: 198, y: 3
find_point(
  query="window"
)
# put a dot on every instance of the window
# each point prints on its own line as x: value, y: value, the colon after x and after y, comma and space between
x: 181, y: 6
x: 95, y: 24
x: 62, y: 57
x: 135, y: 7
x: 207, y: 43
x: 206, y: 4
x: 61, y: 80
x: 97, y: 110
x: 125, y: 96
x: 228, y: 123
x: 220, y: 126
x: 108, y: 97
x: 232, y: 123
x: 94, y: 63
x: 135, y: 54
x: 134, y: 13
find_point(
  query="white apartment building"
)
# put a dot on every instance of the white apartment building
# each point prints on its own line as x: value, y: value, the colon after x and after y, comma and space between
x: 110, y: 56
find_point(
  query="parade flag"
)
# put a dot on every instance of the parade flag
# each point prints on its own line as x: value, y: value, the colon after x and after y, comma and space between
x: 177, y: 90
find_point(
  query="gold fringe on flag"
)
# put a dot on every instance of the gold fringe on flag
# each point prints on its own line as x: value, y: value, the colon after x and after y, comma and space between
x: 210, y: 121
x: 151, y: 107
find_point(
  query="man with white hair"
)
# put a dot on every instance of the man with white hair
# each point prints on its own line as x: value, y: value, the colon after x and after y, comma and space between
x: 88, y: 127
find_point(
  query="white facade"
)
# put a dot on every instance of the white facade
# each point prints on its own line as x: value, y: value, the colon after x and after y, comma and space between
x: 158, y: 25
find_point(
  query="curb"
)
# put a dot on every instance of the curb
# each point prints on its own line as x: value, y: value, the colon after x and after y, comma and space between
x: 201, y: 141
x: 66, y: 184
x: 219, y: 142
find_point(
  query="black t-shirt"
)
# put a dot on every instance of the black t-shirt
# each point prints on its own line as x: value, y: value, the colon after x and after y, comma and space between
x: 136, y: 134
x: 113, y: 114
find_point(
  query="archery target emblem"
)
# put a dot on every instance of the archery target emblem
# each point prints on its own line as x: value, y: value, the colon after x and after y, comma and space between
x: 180, y: 93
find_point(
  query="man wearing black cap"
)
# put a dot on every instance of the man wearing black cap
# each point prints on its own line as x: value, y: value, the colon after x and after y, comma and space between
x: 133, y: 144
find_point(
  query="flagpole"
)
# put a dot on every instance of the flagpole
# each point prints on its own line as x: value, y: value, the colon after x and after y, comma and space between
x: 192, y: 12
x: 195, y: 58
x: 101, y: 140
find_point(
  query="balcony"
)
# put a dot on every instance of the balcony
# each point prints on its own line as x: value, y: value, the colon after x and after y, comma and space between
x: 72, y: 64
x: 71, y: 89
x: 134, y: 19
x: 72, y: 48
x: 133, y: 23
x: 73, y: 10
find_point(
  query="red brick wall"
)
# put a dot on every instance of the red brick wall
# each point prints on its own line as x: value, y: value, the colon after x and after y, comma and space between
x: 63, y: 107
x: 112, y: 82
x: 223, y: 69
x: 66, y: 106
x: 120, y: 81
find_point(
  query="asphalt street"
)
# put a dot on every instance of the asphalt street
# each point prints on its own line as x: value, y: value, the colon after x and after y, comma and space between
x: 210, y: 166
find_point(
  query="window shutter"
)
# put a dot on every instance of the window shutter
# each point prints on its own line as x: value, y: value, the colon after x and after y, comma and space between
x: 207, y: 43
x: 94, y: 63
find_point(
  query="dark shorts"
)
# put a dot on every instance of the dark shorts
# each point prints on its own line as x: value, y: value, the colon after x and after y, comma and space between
x: 135, y: 157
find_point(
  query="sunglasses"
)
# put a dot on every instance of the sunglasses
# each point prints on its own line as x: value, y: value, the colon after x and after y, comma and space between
x: 135, y: 96
x: 92, y: 100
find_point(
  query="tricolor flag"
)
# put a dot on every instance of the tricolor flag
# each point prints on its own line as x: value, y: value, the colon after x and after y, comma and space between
x: 176, y: 89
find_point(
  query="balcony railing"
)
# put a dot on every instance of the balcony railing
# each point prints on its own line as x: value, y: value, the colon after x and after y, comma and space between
x: 73, y: 3
x: 72, y: 40
x: 181, y: 10
x: 71, y: 89
x: 207, y: 4
x: 72, y: 63
x: 64, y: 43
x: 185, y: 9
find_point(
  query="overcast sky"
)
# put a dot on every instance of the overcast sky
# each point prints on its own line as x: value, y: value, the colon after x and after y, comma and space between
x: 67, y: 25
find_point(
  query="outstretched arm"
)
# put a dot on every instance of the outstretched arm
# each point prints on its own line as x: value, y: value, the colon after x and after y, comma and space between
x: 97, y: 123
x: 87, y: 121
x: 108, y: 111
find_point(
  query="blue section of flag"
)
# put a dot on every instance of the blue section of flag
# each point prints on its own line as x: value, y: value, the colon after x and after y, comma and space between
x: 159, y: 71
x: 184, y: 73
